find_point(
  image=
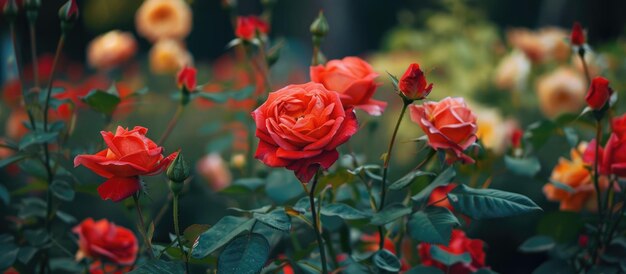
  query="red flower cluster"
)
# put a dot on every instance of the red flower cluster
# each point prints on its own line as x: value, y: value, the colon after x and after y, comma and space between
x: 247, y: 26
x: 129, y: 155
x: 459, y: 244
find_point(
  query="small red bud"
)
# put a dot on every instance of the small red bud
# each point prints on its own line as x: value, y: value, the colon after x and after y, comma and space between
x: 599, y: 93
x: 413, y: 83
x: 247, y: 26
x: 577, y: 38
x: 187, y: 77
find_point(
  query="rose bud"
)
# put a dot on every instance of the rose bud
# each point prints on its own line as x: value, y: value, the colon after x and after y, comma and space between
x: 413, y: 83
x: 178, y: 171
x: 599, y: 93
x: 104, y: 240
x: 449, y: 125
x: 68, y: 13
x: 319, y: 27
x: 300, y: 127
x: 187, y: 78
x: 577, y: 38
x: 247, y: 27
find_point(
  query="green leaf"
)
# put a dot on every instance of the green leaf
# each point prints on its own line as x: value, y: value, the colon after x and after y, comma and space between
x: 489, y: 203
x: 442, y: 179
x: 538, y: 133
x: 389, y: 214
x: 408, y: 179
x: 343, y: 211
x: 528, y: 167
x: 25, y: 254
x: 4, y: 195
x: 102, y: 101
x: 31, y: 208
x: 62, y: 190
x: 539, y: 243
x: 387, y: 261
x: 245, y: 254
x: 571, y: 136
x: 282, y: 186
x: 156, y: 266
x: 8, y: 252
x: 10, y: 160
x: 36, y: 237
x: 65, y: 265
x: 433, y: 225
x: 554, y: 266
x: 424, y: 270
x: 37, y: 138
x: 562, y: 186
x: 223, y: 96
x: 276, y: 219
x: 220, y: 234
x: 394, y: 81
x: 562, y: 226
x: 192, y: 233
x: 66, y: 217
x: 447, y: 258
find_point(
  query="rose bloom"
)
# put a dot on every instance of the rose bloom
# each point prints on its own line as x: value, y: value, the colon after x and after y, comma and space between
x: 111, y: 49
x: 493, y: 130
x: 459, y: 244
x: 573, y: 173
x: 300, y: 126
x: 168, y: 57
x: 354, y: 80
x: 215, y: 171
x: 163, y: 19
x: 612, y: 158
x: 561, y: 91
x: 247, y: 27
x: 512, y: 72
x: 599, y: 93
x: 129, y: 155
x: 542, y: 45
x: 449, y: 124
x: 187, y: 77
x: 104, y: 240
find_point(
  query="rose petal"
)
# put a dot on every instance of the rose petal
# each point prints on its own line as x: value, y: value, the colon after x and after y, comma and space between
x: 117, y: 189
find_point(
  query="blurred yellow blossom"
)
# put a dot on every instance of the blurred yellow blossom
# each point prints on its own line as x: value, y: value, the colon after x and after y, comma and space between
x: 169, y: 56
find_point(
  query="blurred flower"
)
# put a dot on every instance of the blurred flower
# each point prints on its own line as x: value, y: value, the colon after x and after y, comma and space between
x: 577, y: 37
x: 111, y: 49
x: 215, y: 171
x: 238, y: 160
x: 449, y: 124
x: 163, y: 19
x: 542, y: 45
x: 129, y: 154
x: 574, y: 175
x: 512, y: 72
x: 12, y: 93
x: 187, y: 77
x: 15, y: 128
x: 300, y: 127
x: 562, y: 90
x: 459, y: 244
x: 371, y: 242
x: 599, y: 93
x: 413, y: 83
x: 354, y: 80
x: 104, y: 240
x: 493, y: 130
x: 247, y: 27
x: 169, y: 56
x: 439, y: 196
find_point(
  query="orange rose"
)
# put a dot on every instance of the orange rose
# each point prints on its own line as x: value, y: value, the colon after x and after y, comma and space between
x: 163, y: 19
x: 129, y: 155
x: 353, y: 79
x: 104, y: 240
x: 561, y: 91
x: 572, y: 173
x: 300, y: 126
x: 449, y: 124
x: 111, y: 49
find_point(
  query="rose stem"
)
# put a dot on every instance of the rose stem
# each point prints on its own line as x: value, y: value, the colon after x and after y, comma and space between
x: 172, y: 124
x: 31, y: 118
x: 142, y: 226
x: 33, y: 53
x: 316, y: 225
x: 596, y: 185
x: 581, y: 54
x: 383, y: 184
x: 177, y: 230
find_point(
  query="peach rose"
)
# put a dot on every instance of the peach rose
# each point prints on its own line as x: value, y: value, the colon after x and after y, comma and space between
x: 512, y: 72
x: 163, y: 19
x: 300, y: 126
x: 169, y: 56
x: 354, y: 80
x: 542, y: 45
x: 449, y: 124
x: 111, y: 49
x: 561, y: 91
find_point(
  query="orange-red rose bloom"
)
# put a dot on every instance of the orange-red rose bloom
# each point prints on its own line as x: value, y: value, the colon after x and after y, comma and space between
x: 612, y: 158
x: 599, y: 93
x: 247, y: 26
x: 577, y: 37
x: 129, y: 154
x: 187, y: 77
x: 354, y: 80
x: 104, y: 240
x: 413, y: 83
x: 300, y: 126
x: 449, y: 124
x: 573, y: 173
x: 459, y: 244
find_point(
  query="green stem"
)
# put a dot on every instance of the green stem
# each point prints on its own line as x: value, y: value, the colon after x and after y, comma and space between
x: 60, y: 45
x: 172, y: 124
x: 316, y: 225
x: 383, y: 184
x: 581, y: 54
x: 31, y: 117
x: 142, y: 226
x: 596, y: 185
x: 33, y: 53
x: 177, y: 230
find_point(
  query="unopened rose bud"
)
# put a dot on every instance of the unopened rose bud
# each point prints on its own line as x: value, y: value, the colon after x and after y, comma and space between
x: 413, y: 83
x: 186, y: 80
x: 319, y: 27
x: 178, y: 171
x: 238, y: 161
x: 10, y: 10
x: 577, y: 37
x: 32, y: 9
x: 68, y: 13
x: 599, y: 93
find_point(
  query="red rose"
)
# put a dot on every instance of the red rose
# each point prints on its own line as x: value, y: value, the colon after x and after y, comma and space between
x: 300, y: 126
x: 413, y: 83
x: 459, y: 244
x: 353, y: 79
x: 97, y: 267
x: 449, y: 124
x: 105, y: 240
x: 577, y: 38
x: 612, y: 158
x: 129, y: 155
x: 599, y: 93
x: 439, y: 196
x: 187, y: 77
x: 247, y: 26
